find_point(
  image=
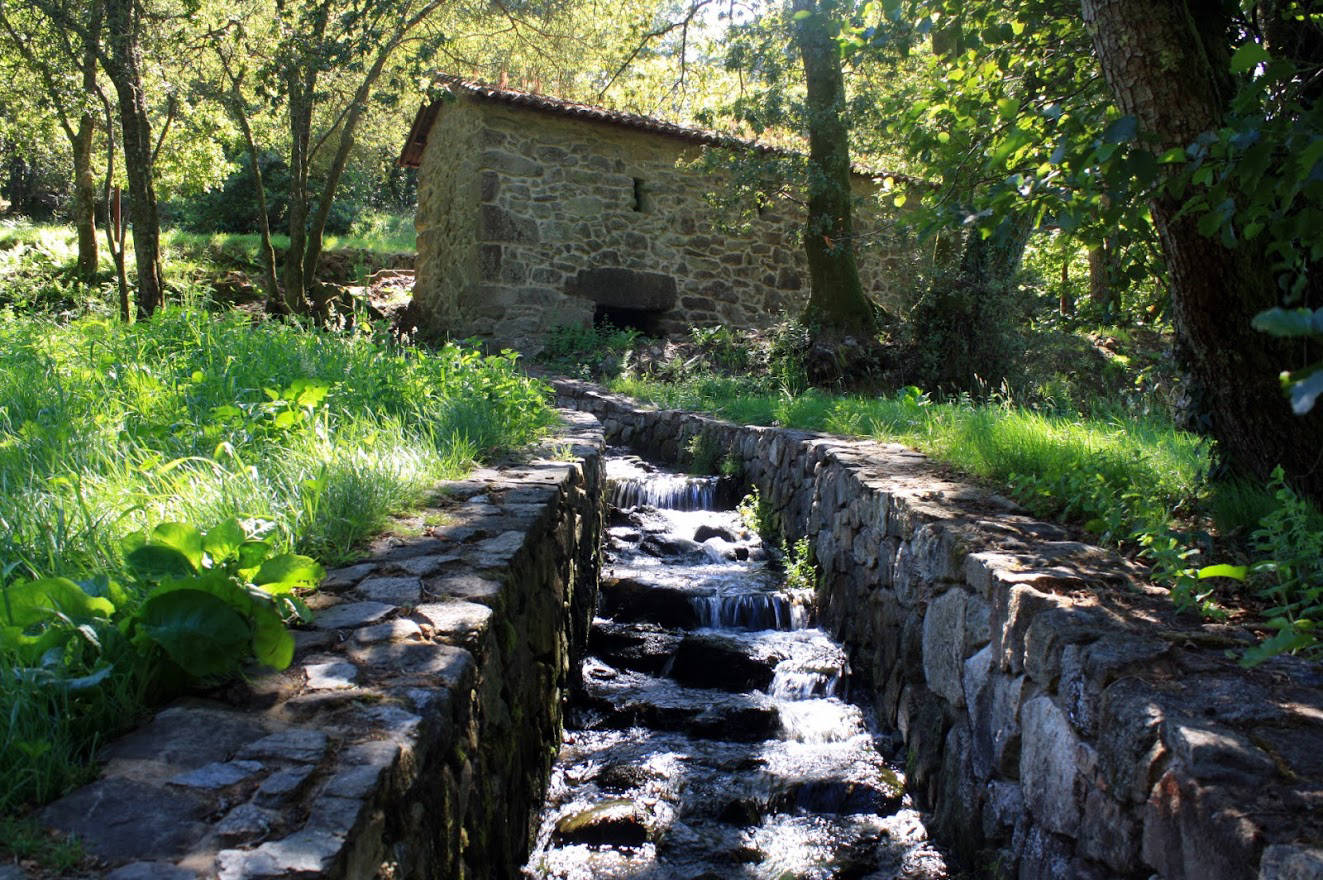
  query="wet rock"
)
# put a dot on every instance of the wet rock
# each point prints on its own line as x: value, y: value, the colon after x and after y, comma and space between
x: 643, y: 647
x: 713, y: 661
x: 610, y: 823
x: 622, y: 777
x: 705, y: 531
x: 628, y: 600
x: 629, y: 699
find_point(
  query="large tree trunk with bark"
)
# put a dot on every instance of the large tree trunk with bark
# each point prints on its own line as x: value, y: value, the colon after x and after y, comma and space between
x: 836, y: 298
x: 1168, y: 65
x: 300, y: 125
x: 84, y: 202
x: 123, y: 65
x: 84, y: 207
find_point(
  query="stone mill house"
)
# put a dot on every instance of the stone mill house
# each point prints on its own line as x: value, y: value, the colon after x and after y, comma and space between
x: 536, y: 212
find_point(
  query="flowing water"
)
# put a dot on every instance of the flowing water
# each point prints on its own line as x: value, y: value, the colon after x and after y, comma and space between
x: 712, y: 740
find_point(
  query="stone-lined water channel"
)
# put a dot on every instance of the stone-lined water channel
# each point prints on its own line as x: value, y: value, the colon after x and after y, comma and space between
x: 711, y: 738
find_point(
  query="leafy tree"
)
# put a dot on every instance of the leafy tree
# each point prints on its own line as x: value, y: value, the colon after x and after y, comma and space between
x: 836, y: 298
x: 1234, y: 94
x: 67, y: 75
x: 321, y: 72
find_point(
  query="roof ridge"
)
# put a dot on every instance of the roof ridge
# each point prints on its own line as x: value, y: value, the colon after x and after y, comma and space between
x: 412, y: 153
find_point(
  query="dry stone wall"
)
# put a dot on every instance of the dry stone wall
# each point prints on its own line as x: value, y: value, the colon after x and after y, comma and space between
x: 414, y: 733
x: 1059, y: 720
x: 528, y: 221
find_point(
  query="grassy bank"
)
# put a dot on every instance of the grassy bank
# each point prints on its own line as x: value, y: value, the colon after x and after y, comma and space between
x: 1114, y: 475
x: 197, y: 418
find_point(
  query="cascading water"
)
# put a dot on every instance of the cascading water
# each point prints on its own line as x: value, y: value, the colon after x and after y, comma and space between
x: 711, y: 740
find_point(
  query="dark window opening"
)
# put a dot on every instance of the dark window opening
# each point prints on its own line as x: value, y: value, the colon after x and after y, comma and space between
x: 646, y: 321
x: 638, y: 195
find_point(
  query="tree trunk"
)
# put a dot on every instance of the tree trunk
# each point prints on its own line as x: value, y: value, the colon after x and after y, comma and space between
x: 1102, y: 275
x: 341, y: 159
x: 123, y: 65
x: 1168, y: 66
x: 300, y: 127
x: 267, y: 252
x: 836, y: 298
x: 84, y: 207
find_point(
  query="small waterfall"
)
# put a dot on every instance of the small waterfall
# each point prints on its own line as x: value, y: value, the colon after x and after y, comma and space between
x: 790, y: 683
x: 753, y: 611
x: 665, y: 492
x: 820, y: 721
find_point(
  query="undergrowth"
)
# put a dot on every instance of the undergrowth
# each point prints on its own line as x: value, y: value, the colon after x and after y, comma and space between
x: 197, y: 419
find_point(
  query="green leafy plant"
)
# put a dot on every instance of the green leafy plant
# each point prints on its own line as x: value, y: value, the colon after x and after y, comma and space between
x: 215, y: 600
x: 588, y: 351
x: 1287, y: 573
x: 758, y: 517
x: 801, y: 571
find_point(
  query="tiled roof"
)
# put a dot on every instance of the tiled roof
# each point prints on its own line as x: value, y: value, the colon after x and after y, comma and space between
x: 412, y: 153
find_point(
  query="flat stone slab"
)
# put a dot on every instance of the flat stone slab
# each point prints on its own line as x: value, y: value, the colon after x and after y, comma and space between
x: 396, y: 590
x: 351, y: 614
x: 310, y: 852
x: 390, y: 631
x: 218, y: 775
x: 467, y: 586
x: 459, y: 620
x: 296, y: 744
x: 445, y: 661
x: 337, y: 675
x: 123, y: 820
x: 187, y: 737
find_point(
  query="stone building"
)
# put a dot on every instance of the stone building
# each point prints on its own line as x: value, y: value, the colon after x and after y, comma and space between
x: 536, y: 212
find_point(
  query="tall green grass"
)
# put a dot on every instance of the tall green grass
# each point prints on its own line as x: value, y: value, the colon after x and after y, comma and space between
x: 194, y: 417
x: 1113, y: 474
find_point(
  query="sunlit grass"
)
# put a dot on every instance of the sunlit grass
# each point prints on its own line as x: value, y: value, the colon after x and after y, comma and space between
x: 1113, y: 474
x: 106, y: 429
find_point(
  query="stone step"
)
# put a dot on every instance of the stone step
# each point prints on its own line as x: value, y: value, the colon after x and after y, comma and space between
x: 792, y: 665
x: 622, y: 699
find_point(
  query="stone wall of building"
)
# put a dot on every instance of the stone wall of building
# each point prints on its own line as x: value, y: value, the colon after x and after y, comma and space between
x: 528, y: 221
x: 1059, y: 718
x: 414, y: 733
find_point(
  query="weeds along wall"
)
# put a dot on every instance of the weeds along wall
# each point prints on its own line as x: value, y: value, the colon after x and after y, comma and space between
x: 1058, y: 718
x: 413, y: 735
